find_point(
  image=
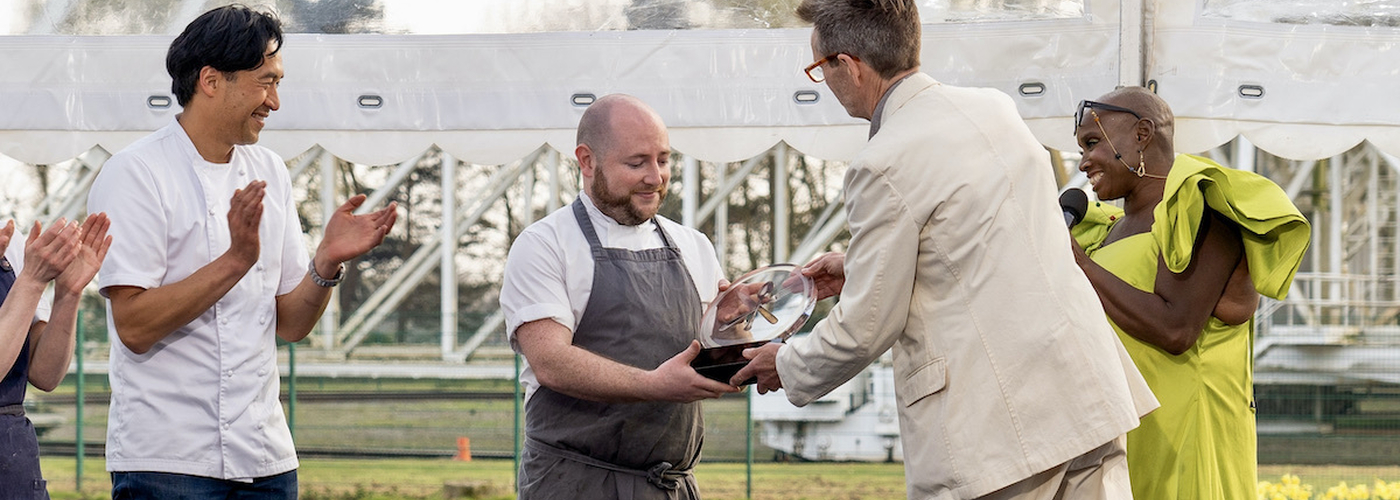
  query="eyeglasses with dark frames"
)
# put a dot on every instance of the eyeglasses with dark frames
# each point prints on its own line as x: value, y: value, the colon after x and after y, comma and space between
x: 814, y: 70
x: 1092, y: 105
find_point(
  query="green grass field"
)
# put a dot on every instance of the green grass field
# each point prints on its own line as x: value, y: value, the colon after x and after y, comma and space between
x: 366, y: 422
x: 405, y: 479
x: 414, y: 479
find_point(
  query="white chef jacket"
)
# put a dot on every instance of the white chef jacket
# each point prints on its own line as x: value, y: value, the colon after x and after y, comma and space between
x: 549, y: 270
x: 204, y: 400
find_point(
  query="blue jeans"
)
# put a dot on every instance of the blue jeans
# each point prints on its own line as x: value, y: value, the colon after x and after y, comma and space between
x: 168, y: 486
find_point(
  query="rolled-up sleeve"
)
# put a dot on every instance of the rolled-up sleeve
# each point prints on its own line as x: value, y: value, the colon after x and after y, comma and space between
x: 534, y: 286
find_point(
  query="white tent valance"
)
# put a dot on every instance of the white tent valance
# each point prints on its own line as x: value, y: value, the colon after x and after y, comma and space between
x: 1301, y: 91
x: 727, y: 94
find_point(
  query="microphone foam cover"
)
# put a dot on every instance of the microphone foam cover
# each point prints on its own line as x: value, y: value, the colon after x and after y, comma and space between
x: 1074, y: 202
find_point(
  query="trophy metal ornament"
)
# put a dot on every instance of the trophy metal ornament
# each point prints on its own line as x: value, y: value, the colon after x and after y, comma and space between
x: 765, y: 305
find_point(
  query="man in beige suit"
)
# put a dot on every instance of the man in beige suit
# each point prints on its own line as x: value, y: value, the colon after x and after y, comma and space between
x: 1010, y: 383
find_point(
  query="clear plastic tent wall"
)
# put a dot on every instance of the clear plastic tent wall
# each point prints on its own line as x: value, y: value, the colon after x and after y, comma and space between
x: 1301, y: 79
x: 490, y: 80
x: 500, y: 78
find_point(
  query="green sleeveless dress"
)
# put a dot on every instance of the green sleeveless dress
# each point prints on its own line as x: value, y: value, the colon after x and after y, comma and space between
x: 1201, y: 443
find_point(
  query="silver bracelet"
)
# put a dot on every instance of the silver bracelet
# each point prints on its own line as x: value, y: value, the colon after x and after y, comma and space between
x: 323, y: 282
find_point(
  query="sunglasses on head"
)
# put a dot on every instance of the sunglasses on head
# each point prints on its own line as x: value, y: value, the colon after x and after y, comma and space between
x: 1092, y: 105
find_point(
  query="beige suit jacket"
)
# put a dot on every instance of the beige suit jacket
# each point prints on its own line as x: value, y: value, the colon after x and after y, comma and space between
x: 1005, y: 365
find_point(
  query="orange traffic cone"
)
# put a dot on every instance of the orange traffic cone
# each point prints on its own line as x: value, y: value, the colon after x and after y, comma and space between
x: 464, y: 449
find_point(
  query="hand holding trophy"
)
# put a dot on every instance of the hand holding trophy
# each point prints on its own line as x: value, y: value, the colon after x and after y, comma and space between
x: 765, y: 305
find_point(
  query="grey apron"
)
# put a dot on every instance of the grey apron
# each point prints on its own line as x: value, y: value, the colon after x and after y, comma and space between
x: 642, y: 310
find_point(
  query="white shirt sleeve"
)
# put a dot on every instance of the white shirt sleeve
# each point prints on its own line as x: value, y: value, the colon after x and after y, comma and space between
x: 125, y: 190
x: 534, y: 285
x: 295, y: 259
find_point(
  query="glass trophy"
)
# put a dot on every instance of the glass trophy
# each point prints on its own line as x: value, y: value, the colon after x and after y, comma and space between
x: 768, y: 304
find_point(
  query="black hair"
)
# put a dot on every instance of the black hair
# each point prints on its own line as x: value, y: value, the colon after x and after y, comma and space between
x: 229, y: 38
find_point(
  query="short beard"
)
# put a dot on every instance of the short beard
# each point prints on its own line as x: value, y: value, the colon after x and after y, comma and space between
x: 620, y: 208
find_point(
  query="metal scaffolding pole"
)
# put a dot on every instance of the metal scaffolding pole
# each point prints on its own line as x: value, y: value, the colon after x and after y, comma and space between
x: 1336, y: 207
x: 448, y: 254
x: 312, y: 156
x: 552, y: 161
x: 782, y: 203
x: 728, y: 181
x: 1394, y: 164
x: 489, y: 326
x: 1131, y: 70
x: 419, y: 264
x: 690, y: 191
x: 381, y: 193
x: 1244, y: 155
x: 719, y: 204
x: 1301, y: 178
x: 331, y: 317
x: 821, y: 236
x: 1373, y: 230
x: 526, y: 214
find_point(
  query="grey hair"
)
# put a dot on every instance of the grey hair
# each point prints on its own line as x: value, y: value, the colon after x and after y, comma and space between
x: 886, y: 34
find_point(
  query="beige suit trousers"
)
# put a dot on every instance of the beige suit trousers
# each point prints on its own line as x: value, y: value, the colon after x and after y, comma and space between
x: 1100, y: 474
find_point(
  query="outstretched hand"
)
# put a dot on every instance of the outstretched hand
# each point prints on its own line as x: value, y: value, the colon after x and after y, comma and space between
x: 93, y: 243
x: 676, y: 381
x: 349, y: 235
x: 828, y: 273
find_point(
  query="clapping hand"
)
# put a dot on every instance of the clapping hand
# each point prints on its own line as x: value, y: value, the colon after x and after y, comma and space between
x: 92, y: 244
x: 244, y: 218
x: 349, y: 235
x: 48, y: 252
x: 6, y: 233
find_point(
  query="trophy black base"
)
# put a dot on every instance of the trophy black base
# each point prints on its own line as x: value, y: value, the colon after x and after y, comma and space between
x: 721, y: 363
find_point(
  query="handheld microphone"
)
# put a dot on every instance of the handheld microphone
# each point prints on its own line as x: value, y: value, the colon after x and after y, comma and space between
x: 1074, y: 203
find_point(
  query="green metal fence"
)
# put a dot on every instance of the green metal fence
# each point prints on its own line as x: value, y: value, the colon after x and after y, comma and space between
x: 1343, y: 431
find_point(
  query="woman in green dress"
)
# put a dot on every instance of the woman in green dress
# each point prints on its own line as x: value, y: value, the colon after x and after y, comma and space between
x: 1179, y: 269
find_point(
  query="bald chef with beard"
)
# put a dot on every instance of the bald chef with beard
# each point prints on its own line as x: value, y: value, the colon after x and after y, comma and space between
x: 603, y: 298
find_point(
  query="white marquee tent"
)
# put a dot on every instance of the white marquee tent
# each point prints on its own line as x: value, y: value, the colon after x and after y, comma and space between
x: 1292, y: 77
x: 491, y: 81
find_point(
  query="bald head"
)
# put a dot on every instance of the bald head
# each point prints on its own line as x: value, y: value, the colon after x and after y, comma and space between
x: 603, y: 119
x: 624, y: 156
x: 1149, y: 106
